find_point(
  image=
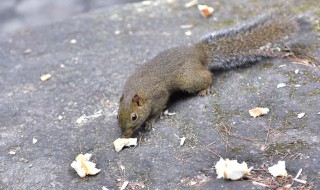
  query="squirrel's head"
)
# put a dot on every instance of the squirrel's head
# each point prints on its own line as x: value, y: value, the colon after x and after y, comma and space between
x: 132, y: 113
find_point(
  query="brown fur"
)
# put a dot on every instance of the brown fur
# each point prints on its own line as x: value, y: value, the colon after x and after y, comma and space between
x: 147, y: 90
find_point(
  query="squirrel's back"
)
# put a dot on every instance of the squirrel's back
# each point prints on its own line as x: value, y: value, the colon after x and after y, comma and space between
x: 250, y: 43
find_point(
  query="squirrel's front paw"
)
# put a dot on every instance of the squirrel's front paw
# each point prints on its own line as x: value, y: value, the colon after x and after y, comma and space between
x: 205, y: 92
x: 149, y: 125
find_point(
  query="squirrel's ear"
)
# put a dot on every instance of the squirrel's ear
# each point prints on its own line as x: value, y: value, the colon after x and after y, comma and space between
x: 137, y: 99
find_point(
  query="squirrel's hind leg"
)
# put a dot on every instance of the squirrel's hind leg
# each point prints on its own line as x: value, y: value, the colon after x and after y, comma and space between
x: 196, y: 81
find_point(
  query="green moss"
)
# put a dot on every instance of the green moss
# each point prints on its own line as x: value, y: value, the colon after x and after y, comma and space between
x: 315, y: 92
x: 251, y: 88
x: 285, y: 124
x: 188, y: 132
x: 237, y: 150
x: 217, y: 110
x: 285, y: 149
x: 290, y: 122
x: 307, y: 5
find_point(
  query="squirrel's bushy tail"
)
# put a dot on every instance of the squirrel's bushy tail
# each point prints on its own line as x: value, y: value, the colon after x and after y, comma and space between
x: 250, y: 43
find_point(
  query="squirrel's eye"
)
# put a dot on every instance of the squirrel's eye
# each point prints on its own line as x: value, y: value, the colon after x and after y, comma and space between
x: 134, y: 117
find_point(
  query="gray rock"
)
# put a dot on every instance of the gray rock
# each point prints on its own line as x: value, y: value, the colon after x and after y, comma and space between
x: 88, y: 76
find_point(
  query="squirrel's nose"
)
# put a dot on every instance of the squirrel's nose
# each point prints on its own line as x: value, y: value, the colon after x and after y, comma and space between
x: 127, y: 133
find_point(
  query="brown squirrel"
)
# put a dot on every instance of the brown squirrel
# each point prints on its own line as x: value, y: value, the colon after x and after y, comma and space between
x: 185, y: 68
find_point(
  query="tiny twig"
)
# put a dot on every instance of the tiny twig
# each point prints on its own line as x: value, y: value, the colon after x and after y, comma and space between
x: 285, y: 155
x: 122, y: 171
x: 259, y: 170
x: 269, y: 128
x: 261, y: 184
x: 298, y: 174
x: 211, y: 143
x: 245, y: 138
x: 296, y: 156
x: 305, y: 60
x: 227, y: 143
x: 80, y: 146
x: 212, y: 151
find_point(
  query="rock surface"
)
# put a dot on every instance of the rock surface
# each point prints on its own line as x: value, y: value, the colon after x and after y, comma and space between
x: 89, y: 58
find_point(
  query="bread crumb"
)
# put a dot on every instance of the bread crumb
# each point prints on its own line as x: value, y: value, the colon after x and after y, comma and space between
x: 122, y: 142
x: 258, y: 111
x: 205, y: 10
x: 231, y: 169
x: 73, y: 41
x: 278, y: 169
x: 45, y: 77
x: 301, y: 115
x: 83, y: 166
x: 281, y: 85
x: 34, y: 140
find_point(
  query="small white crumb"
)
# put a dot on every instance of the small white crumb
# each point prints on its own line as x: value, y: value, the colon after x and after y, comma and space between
x: 278, y: 169
x: 104, y: 188
x: 205, y: 10
x: 12, y: 152
x: 182, y: 140
x: 62, y: 65
x: 193, y: 183
x: 167, y: 113
x: 27, y: 51
x: 282, y: 66
x: 122, y: 167
x: 81, y: 119
x: 281, y: 85
x: 83, y: 166
x: 122, y: 142
x: 258, y: 111
x: 60, y: 117
x: 296, y: 71
x: 231, y: 169
x: 117, y: 32
x: 45, y: 77
x: 146, y: 2
x: 188, y: 33
x: 187, y: 26
x: 34, y: 140
x: 301, y: 115
x: 318, y: 113
x: 94, y: 115
x: 84, y: 118
x: 276, y: 48
x: 124, y: 185
x: 73, y: 41
x: 191, y: 3
x: 297, y: 85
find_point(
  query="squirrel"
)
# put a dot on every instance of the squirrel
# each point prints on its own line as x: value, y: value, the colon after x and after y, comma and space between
x: 185, y: 68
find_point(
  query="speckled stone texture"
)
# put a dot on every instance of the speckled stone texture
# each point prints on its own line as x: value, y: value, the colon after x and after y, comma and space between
x: 91, y: 55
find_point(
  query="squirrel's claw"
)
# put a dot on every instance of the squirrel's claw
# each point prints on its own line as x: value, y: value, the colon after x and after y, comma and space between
x: 205, y: 92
